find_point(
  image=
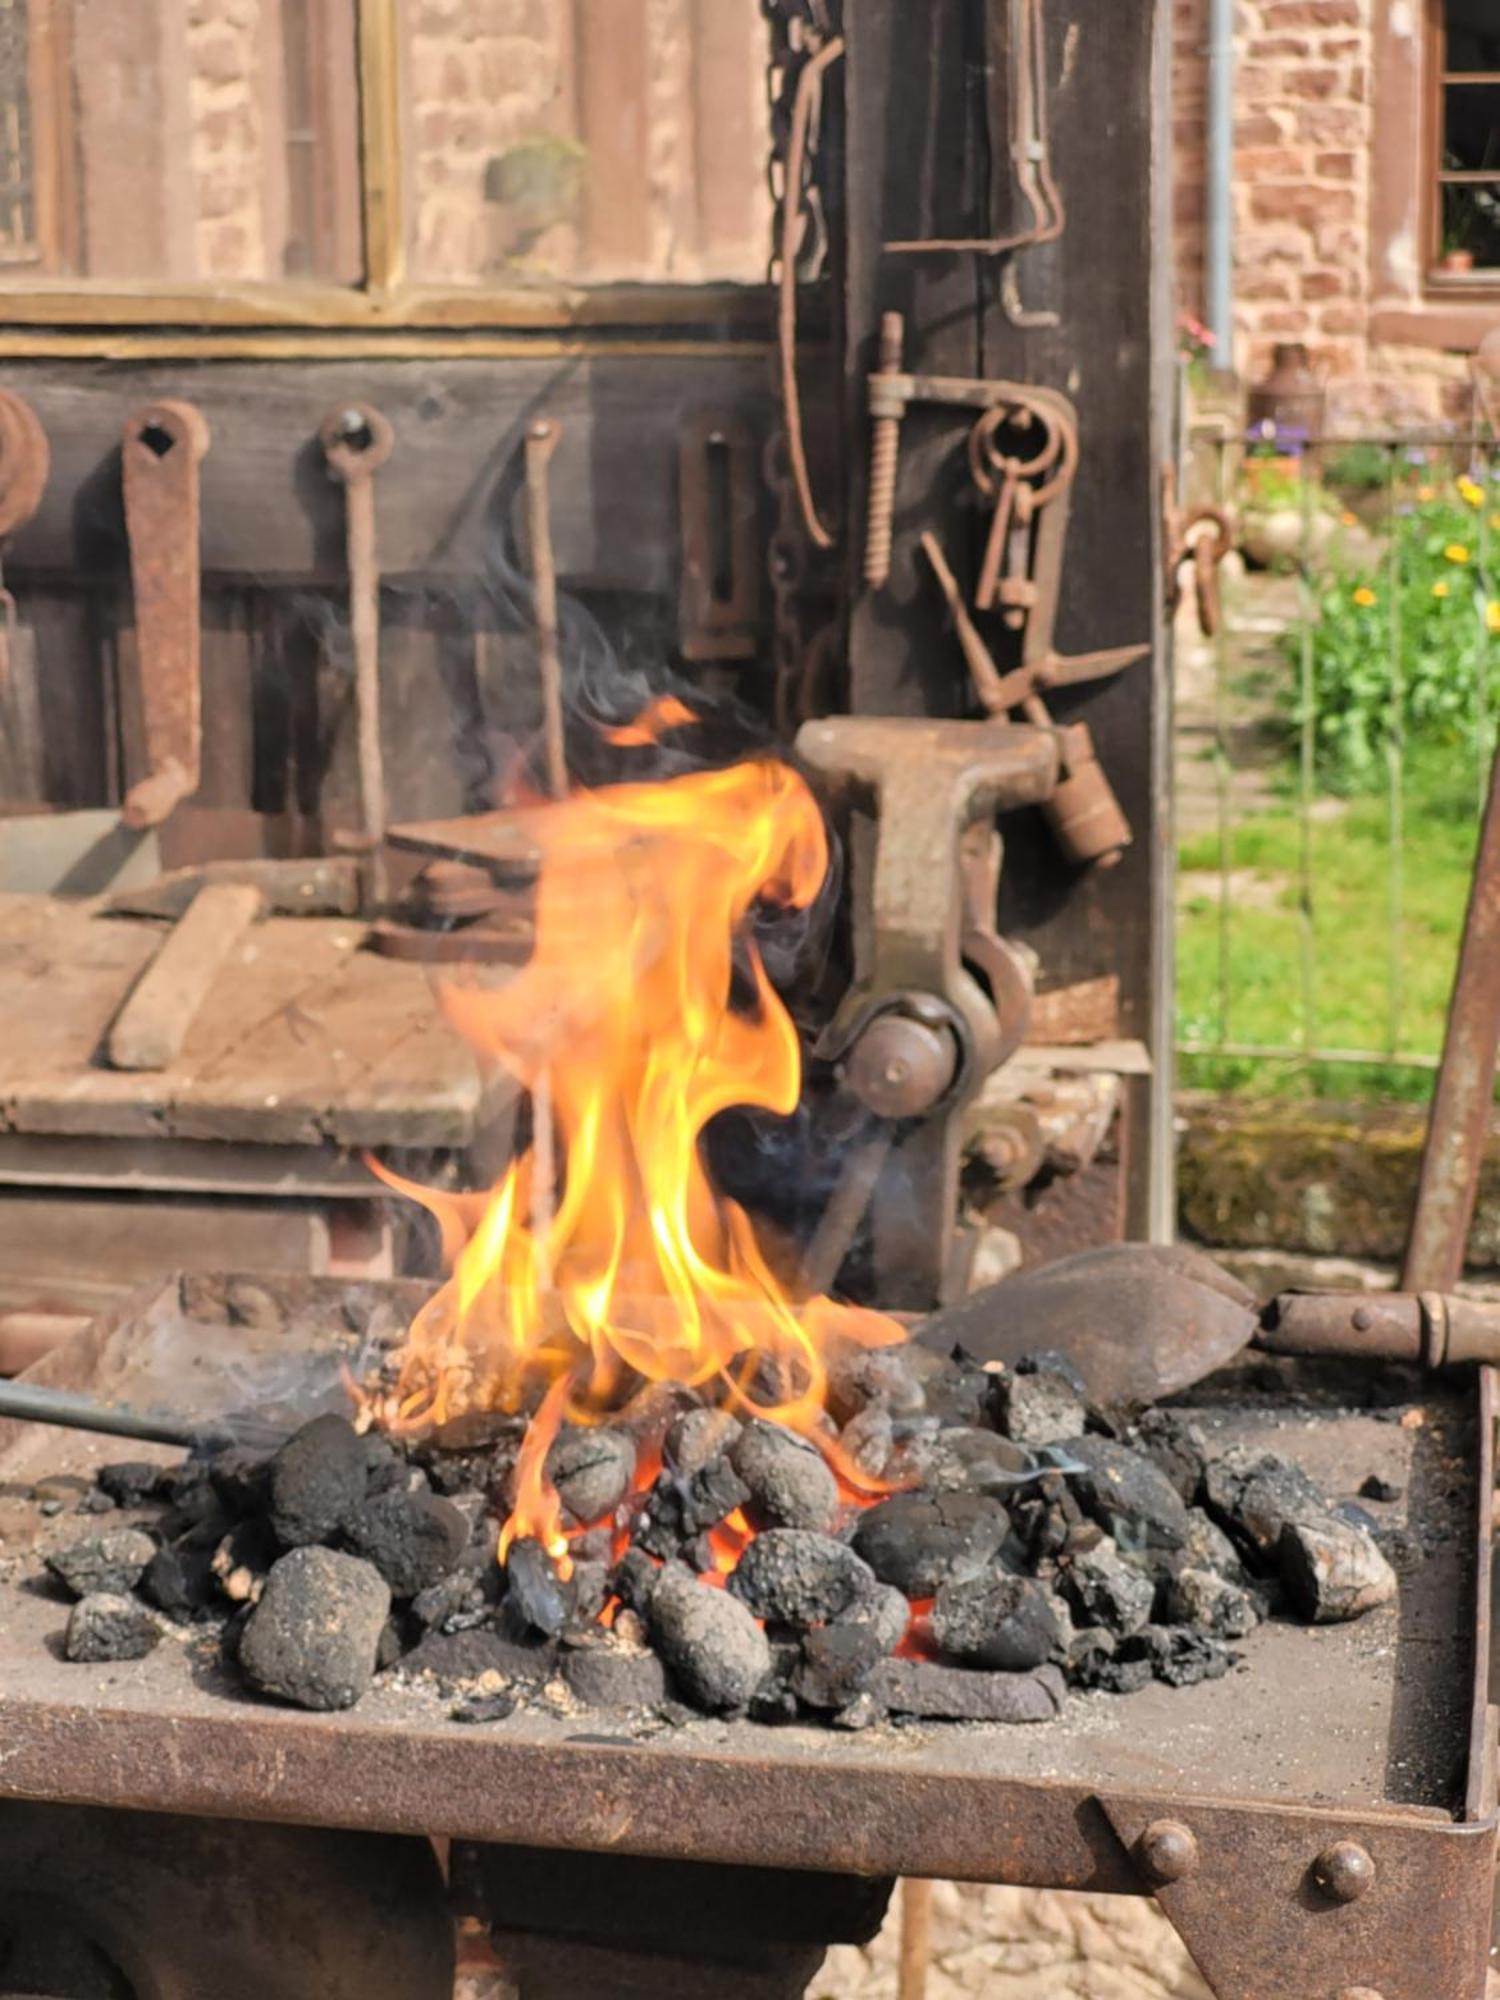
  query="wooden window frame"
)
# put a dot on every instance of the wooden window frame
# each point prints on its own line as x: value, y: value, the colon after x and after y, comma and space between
x: 1479, y: 286
x: 384, y: 311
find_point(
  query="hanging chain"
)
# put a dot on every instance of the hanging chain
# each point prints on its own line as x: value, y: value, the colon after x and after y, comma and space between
x: 806, y: 625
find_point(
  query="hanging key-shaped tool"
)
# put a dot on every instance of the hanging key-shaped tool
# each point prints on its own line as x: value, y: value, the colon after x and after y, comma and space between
x: 163, y: 445
x: 1083, y: 812
x: 357, y: 440
x: 1020, y: 487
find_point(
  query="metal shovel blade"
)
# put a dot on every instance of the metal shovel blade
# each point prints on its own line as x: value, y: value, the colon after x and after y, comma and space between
x: 1137, y: 1320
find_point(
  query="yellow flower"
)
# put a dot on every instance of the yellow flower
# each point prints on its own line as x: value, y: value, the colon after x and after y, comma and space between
x: 1456, y: 552
x: 1495, y: 520
x: 1440, y: 590
x: 1472, y: 491
x: 1492, y: 615
x: 1349, y: 520
x: 1364, y: 595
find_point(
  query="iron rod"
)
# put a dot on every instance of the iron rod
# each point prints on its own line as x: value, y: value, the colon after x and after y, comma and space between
x: 1462, y: 1100
x: 29, y: 1402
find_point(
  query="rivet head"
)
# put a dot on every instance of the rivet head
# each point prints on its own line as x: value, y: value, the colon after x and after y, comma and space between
x: 1167, y: 1850
x: 1344, y: 1871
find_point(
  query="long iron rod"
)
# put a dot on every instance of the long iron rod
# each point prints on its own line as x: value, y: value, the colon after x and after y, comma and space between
x: 28, y: 1402
x: 1461, y: 1102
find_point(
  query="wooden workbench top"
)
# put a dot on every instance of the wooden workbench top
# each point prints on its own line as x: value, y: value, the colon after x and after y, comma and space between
x: 305, y: 1037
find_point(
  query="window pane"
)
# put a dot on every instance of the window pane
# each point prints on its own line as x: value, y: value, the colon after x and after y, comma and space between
x: 588, y: 141
x: 1473, y: 35
x: 1471, y: 222
x: 161, y: 142
x: 1471, y: 127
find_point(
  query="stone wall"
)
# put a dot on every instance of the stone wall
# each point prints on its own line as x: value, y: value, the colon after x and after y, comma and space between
x: 230, y: 95
x: 519, y: 171
x: 1305, y: 206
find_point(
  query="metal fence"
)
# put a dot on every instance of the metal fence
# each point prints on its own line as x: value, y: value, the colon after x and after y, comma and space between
x: 1334, y: 747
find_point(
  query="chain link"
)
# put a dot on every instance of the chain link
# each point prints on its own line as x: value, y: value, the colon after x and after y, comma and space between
x: 806, y: 624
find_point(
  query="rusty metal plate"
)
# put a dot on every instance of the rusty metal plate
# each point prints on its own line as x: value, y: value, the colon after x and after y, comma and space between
x: 1371, y: 1720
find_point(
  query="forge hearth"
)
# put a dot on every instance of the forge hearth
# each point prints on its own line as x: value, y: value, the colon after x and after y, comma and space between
x: 1382, y: 1729
x: 715, y: 1563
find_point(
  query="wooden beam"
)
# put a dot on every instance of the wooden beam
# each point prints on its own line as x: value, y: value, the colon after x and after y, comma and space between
x: 152, y: 1026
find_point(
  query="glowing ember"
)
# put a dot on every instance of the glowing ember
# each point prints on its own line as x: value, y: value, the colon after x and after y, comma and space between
x: 644, y: 1011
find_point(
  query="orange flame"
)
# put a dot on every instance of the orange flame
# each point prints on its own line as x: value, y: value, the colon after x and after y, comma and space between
x: 655, y: 719
x: 644, y: 1011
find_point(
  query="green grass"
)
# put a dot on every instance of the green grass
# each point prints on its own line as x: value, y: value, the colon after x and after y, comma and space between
x: 1351, y: 933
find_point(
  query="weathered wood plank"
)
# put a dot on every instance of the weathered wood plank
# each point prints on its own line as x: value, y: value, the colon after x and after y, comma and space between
x: 444, y: 504
x: 303, y: 1038
x: 151, y: 1027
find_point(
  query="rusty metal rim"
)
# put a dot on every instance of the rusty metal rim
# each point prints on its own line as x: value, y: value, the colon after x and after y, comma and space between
x: 871, y: 1819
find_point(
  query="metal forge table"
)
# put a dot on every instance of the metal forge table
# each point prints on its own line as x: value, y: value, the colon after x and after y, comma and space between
x: 1319, y: 1825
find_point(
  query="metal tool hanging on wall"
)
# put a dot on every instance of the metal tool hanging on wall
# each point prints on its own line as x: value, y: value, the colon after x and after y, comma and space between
x: 1030, y: 151
x: 161, y: 450
x: 357, y: 440
x: 1023, y: 454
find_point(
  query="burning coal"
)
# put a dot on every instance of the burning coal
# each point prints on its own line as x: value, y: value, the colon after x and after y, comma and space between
x: 605, y: 1258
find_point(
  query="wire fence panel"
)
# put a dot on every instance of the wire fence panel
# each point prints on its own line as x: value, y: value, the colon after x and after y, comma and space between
x: 1333, y: 758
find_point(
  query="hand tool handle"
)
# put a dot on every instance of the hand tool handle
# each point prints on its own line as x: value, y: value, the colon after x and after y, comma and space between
x: 357, y: 441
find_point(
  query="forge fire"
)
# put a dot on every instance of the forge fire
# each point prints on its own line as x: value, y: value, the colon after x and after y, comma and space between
x: 625, y: 1457
x: 605, y: 1263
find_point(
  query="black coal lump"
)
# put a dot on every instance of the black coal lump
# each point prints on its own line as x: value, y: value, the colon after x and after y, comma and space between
x: 836, y: 1663
x: 317, y: 1482
x: 920, y: 1541
x: 180, y: 1582
x: 966, y: 1459
x: 790, y: 1484
x: 315, y: 1635
x: 790, y: 1576
x: 698, y: 1438
x: 996, y: 1620
x: 131, y: 1482
x: 108, y: 1626
x: 1254, y: 1494
x: 1102, y: 1588
x: 717, y: 1653
x: 606, y: 1674
x: 1175, y: 1446
x: 1212, y: 1603
x: 1177, y: 1656
x: 591, y: 1467
x: 536, y: 1598
x: 633, y: 1579
x: 959, y: 1391
x: 1038, y: 1407
x: 112, y: 1563
x: 413, y: 1539
x: 241, y: 1481
x: 1374, y: 1487
x: 1129, y: 1496
x: 455, y: 1595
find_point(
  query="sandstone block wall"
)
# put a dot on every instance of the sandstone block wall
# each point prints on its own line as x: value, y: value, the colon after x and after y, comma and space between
x: 1305, y: 208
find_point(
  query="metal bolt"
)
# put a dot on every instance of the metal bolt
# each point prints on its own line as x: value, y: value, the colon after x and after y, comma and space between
x: 1362, y: 1319
x: 1167, y: 1850
x: 1344, y: 1871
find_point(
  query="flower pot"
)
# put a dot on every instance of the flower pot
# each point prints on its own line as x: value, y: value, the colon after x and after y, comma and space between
x: 1272, y: 536
x: 1457, y: 262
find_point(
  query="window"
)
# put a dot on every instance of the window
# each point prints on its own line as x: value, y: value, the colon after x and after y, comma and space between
x: 447, y: 165
x: 1466, y: 141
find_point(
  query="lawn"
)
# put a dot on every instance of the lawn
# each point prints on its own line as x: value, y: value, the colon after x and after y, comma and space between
x: 1354, y: 962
